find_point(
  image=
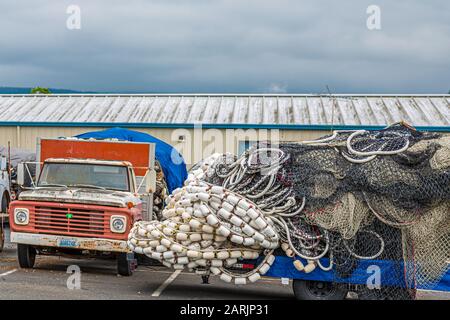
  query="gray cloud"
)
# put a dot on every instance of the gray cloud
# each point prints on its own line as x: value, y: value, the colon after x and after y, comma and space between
x: 227, y: 46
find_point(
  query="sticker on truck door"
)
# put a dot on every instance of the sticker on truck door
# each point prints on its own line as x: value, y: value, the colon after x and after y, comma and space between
x: 69, y: 243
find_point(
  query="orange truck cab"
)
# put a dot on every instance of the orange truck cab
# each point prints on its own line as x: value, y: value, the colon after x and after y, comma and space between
x: 87, y: 195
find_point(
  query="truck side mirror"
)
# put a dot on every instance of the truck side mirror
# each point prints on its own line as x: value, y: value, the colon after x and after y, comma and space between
x: 3, y: 164
x: 150, y: 181
x: 21, y: 174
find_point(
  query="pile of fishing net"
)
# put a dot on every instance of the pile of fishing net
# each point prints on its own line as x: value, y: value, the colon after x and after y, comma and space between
x: 348, y: 197
x: 161, y: 192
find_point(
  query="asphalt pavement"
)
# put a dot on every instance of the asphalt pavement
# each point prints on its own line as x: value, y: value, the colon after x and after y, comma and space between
x: 99, y: 280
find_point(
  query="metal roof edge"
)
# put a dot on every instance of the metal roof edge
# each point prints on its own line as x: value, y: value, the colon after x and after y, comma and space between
x: 222, y: 95
x: 315, y: 127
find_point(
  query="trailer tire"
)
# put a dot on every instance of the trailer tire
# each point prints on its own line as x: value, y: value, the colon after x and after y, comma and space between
x: 26, y: 255
x: 125, y: 264
x: 318, y: 290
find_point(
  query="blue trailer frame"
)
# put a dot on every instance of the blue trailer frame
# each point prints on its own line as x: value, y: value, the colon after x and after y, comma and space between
x: 283, y: 268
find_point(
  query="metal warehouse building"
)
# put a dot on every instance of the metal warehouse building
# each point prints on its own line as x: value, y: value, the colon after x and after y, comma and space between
x: 172, y: 118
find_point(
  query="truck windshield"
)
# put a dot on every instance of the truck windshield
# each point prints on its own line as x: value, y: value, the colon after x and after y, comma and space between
x: 84, y: 175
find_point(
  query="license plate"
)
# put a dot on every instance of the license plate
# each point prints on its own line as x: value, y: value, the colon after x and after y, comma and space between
x: 70, y: 243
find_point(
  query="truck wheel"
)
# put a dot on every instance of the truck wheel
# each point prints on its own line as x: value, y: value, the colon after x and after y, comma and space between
x: 5, y: 203
x: 26, y: 255
x: 2, y: 236
x: 126, y: 264
x: 318, y: 290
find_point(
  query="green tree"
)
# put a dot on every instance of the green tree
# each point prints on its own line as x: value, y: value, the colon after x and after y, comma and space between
x: 39, y: 90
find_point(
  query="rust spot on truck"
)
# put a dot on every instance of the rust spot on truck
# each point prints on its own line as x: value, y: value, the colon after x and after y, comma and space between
x: 104, y: 244
x: 51, y: 241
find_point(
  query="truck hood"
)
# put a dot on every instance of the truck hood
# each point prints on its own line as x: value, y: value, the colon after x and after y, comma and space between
x: 81, y: 195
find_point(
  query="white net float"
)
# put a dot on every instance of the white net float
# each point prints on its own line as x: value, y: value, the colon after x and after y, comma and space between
x: 309, y: 267
x: 299, y: 265
x: 195, y: 235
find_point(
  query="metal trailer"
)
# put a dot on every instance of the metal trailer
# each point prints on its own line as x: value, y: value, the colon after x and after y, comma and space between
x: 328, y: 285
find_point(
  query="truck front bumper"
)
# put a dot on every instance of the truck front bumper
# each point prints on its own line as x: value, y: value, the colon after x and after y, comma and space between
x: 48, y: 240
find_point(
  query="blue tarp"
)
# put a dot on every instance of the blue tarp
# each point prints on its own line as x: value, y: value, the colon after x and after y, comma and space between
x: 171, y: 161
x: 284, y: 268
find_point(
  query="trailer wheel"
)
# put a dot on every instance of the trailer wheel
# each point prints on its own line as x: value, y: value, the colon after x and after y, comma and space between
x: 126, y: 263
x: 318, y: 290
x: 26, y: 255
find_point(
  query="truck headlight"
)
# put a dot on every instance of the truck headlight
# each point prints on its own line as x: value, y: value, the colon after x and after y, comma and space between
x: 21, y: 216
x: 118, y: 224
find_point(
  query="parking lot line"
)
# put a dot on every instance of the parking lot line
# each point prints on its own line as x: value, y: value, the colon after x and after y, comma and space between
x: 164, y: 285
x: 7, y: 273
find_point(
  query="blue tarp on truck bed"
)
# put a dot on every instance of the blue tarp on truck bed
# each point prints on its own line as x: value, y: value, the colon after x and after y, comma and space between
x: 170, y: 159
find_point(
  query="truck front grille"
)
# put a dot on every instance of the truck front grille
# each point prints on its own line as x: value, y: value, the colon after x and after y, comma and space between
x: 69, y: 221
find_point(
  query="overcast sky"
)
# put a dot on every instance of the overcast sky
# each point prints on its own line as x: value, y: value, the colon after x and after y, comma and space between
x: 227, y: 46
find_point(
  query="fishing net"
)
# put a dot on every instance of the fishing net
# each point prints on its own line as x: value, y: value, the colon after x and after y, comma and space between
x: 161, y: 193
x: 378, y: 197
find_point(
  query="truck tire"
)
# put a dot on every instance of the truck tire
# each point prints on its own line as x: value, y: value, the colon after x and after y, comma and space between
x: 4, y: 209
x: 125, y: 264
x: 2, y: 236
x: 318, y: 290
x: 5, y: 203
x: 26, y: 255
